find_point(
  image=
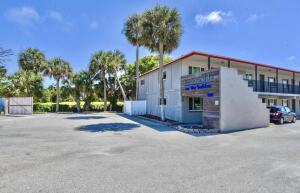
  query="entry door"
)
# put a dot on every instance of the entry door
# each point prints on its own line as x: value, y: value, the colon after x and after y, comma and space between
x: 262, y: 82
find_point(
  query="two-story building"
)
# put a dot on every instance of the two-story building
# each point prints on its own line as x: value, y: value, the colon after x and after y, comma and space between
x: 273, y: 85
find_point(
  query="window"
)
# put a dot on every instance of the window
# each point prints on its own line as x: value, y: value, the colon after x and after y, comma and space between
x: 164, y: 75
x: 165, y: 101
x: 195, y: 104
x: 271, y: 102
x: 285, y: 102
x: 194, y: 69
x: 285, y: 83
x: 271, y: 81
x: 248, y: 77
x: 143, y: 82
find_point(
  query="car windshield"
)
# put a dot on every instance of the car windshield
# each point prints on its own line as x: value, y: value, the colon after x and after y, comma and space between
x: 274, y: 109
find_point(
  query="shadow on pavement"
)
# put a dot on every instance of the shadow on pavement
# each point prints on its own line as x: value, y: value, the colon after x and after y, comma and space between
x: 154, y: 125
x: 103, y: 127
x: 84, y: 117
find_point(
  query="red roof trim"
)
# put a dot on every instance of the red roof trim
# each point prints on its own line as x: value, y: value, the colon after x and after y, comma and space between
x: 223, y: 58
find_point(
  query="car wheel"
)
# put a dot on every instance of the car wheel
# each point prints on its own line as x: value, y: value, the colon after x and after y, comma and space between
x: 281, y: 121
x: 294, y: 120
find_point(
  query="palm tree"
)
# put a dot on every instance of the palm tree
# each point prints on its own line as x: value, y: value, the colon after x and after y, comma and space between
x: 118, y: 64
x: 58, y: 69
x: 133, y: 32
x: 99, y: 65
x: 78, y: 87
x: 32, y: 59
x: 162, y: 30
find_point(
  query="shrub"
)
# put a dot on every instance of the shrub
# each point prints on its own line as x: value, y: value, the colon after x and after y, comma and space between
x: 71, y: 107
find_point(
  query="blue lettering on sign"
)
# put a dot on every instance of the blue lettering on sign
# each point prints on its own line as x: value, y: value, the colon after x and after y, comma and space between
x: 210, y: 94
x: 198, y: 86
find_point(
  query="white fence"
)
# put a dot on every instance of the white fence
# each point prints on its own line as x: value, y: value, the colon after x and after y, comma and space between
x: 20, y: 105
x: 135, y: 107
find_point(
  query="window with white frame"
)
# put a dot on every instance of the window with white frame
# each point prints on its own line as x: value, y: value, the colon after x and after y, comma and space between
x: 195, y: 104
x: 271, y: 81
x: 248, y: 77
x: 271, y: 102
x: 195, y: 69
x: 143, y: 82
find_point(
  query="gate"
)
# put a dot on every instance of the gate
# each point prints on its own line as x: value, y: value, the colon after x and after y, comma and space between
x: 20, y: 105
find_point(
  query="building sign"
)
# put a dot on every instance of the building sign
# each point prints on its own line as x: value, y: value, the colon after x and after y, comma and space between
x: 200, y: 83
x: 197, y: 86
x: 207, y: 86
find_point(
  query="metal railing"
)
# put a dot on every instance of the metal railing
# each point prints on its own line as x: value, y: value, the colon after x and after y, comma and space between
x: 264, y: 86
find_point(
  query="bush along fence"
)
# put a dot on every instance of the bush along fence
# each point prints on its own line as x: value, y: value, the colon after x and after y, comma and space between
x: 71, y: 107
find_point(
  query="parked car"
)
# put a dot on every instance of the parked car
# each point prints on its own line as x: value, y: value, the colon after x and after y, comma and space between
x: 282, y: 114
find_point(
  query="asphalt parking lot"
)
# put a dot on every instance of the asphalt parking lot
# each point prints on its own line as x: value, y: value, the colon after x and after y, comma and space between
x: 108, y: 152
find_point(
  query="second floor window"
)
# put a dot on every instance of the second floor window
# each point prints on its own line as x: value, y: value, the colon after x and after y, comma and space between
x: 195, y: 69
x: 248, y: 77
x: 271, y: 81
x: 285, y: 83
x: 143, y: 82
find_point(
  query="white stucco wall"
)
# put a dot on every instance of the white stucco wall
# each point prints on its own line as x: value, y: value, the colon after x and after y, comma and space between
x: 240, y: 106
x: 150, y: 92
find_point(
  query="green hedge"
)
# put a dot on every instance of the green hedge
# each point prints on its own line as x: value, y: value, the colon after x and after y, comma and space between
x: 71, y: 107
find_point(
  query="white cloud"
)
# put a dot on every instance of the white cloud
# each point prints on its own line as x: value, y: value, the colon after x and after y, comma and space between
x: 24, y: 16
x: 214, y: 17
x: 56, y: 16
x: 254, y: 17
x: 292, y: 58
x: 94, y: 25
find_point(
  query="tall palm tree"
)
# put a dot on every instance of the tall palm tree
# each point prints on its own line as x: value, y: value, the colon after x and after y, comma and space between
x: 117, y: 65
x: 133, y: 32
x: 78, y: 87
x: 58, y: 69
x: 32, y: 59
x: 99, y: 65
x: 162, y: 30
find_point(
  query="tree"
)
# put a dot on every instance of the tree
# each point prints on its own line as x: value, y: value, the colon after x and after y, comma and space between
x: 4, y: 54
x: 133, y: 32
x: 99, y: 66
x: 3, y: 79
x: 32, y: 59
x: 162, y: 30
x: 78, y: 87
x: 58, y: 69
x: 118, y: 65
x: 24, y: 83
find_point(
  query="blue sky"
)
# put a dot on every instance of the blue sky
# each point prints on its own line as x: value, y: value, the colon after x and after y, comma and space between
x: 263, y: 31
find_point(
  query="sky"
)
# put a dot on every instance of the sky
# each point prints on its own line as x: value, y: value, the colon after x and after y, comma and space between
x: 261, y: 31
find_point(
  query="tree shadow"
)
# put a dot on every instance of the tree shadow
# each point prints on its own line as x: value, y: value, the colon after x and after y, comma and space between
x: 154, y: 125
x: 103, y: 127
x: 83, y: 117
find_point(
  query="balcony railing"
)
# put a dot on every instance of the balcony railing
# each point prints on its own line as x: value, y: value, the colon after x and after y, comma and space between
x: 264, y: 86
